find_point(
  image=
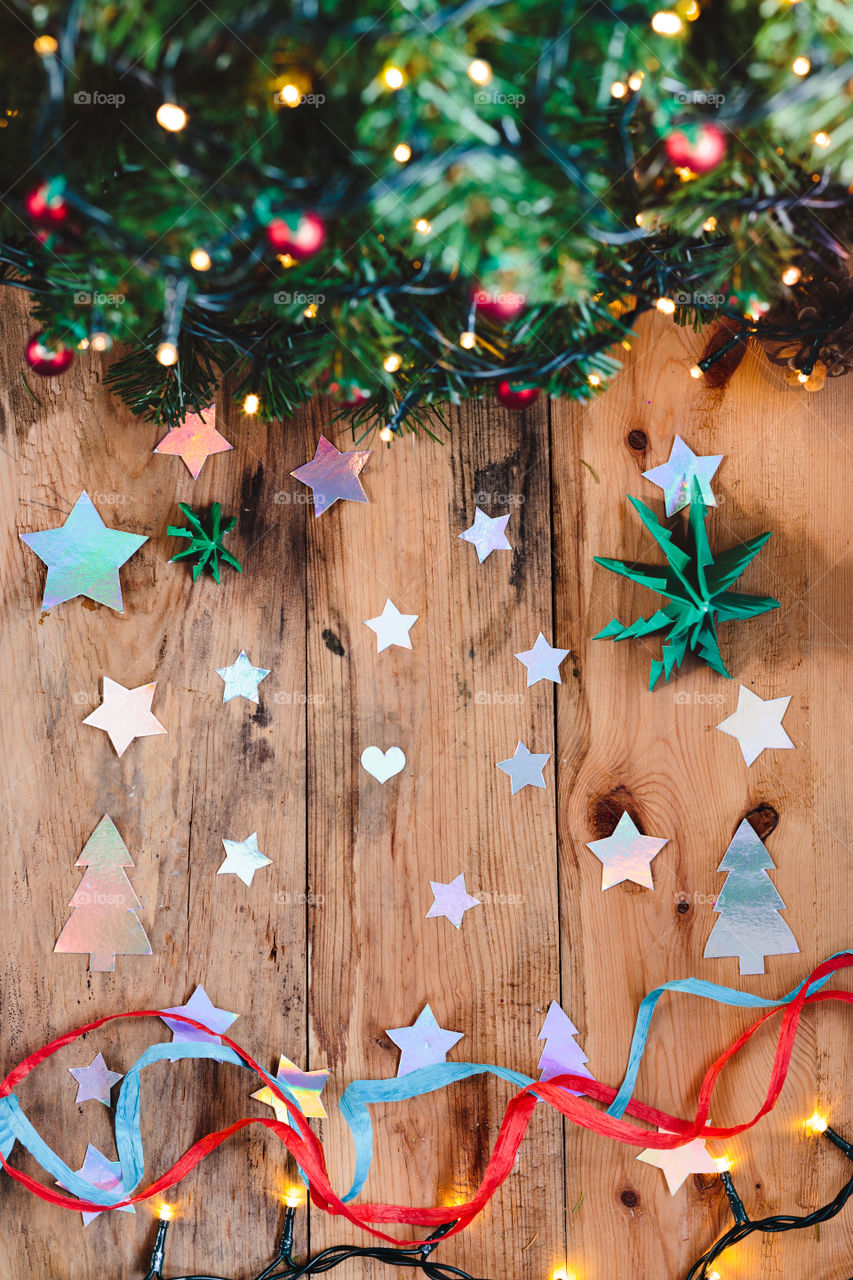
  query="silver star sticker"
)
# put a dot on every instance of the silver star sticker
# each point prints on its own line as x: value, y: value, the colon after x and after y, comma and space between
x: 242, y: 679
x: 243, y: 858
x: 542, y: 661
x: 487, y: 534
x: 757, y: 724
x: 676, y: 476
x: 626, y: 855
x: 525, y: 768
x: 392, y: 627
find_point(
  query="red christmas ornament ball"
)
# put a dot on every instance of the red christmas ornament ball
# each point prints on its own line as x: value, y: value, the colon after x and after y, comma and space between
x: 499, y: 305
x: 43, y: 209
x: 697, y: 147
x: 301, y: 235
x: 516, y: 395
x: 348, y: 393
x: 47, y: 361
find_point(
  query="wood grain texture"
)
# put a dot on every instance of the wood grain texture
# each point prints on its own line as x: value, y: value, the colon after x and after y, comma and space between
x: 330, y: 946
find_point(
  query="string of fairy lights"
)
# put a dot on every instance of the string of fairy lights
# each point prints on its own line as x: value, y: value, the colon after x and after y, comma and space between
x: 421, y: 1257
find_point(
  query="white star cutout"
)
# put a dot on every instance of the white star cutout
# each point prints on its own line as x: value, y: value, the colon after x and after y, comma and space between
x: 243, y: 858
x: 126, y: 714
x: 392, y: 627
x: 757, y: 724
x: 678, y: 1163
x: 542, y: 662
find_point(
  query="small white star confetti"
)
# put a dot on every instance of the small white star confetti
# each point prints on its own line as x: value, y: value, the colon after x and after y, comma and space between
x: 525, y: 768
x: 392, y: 627
x: 676, y: 476
x: 126, y: 714
x: 243, y: 858
x: 241, y: 679
x: 95, y: 1081
x: 757, y: 724
x: 678, y: 1163
x: 451, y: 900
x: 626, y: 855
x: 487, y: 534
x: 542, y: 662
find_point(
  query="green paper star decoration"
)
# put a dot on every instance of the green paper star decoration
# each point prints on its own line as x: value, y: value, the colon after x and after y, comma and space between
x: 207, y: 547
x: 695, y: 588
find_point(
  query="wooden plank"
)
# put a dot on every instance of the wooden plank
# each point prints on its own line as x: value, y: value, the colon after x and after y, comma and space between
x: 456, y: 704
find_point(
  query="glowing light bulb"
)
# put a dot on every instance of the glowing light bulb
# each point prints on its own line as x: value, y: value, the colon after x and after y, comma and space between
x: 802, y: 377
x: 310, y: 311
x: 45, y: 46
x: 289, y: 94
x: 563, y: 1274
x: 666, y: 23
x: 640, y: 219
x: 690, y: 10
x: 594, y: 380
x: 167, y: 353
x: 292, y: 1197
x: 200, y: 260
x: 392, y: 362
x: 402, y: 152
x: 101, y: 341
x: 713, y: 1275
x: 635, y: 80
x: 695, y: 371
x: 423, y: 226
x: 286, y: 260
x: 171, y: 117
x: 480, y: 71
x: 791, y: 275
x: 165, y: 1212
x: 393, y: 77
x: 710, y: 224
x: 252, y: 403
x: 723, y: 1164
x: 386, y: 435
x: 666, y: 305
x: 618, y: 89
x: 801, y: 66
x: 83, y: 344
x: 467, y: 340
x: 822, y: 139
x: 817, y: 1123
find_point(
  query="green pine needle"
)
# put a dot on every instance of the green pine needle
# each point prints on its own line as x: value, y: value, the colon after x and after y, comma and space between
x: 695, y: 589
x: 206, y: 547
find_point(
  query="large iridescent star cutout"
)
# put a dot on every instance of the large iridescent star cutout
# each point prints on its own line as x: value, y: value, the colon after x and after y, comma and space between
x: 332, y: 475
x: 678, y: 1163
x: 757, y: 724
x: 422, y: 1044
x: 392, y: 627
x: 241, y: 679
x: 201, y: 1009
x: 306, y: 1087
x: 525, y: 768
x: 676, y: 476
x: 626, y: 855
x: 542, y: 662
x: 195, y: 440
x: 83, y: 557
x: 102, y: 1173
x: 451, y: 900
x: 487, y: 534
x: 125, y: 714
x: 243, y: 858
x: 94, y: 1081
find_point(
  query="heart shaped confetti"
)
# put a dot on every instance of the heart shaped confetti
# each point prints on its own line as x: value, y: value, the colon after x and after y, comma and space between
x: 382, y: 765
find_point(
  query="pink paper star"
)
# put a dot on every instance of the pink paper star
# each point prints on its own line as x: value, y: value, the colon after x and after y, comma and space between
x: 94, y: 1081
x: 331, y: 475
x: 126, y: 714
x: 451, y: 900
x: 195, y: 440
x: 677, y: 1163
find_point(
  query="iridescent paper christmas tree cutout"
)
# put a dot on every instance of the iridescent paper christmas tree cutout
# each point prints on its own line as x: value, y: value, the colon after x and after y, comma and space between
x: 749, y: 925
x: 695, y: 587
x: 104, y: 920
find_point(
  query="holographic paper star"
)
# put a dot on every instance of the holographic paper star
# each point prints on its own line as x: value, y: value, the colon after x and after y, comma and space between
x: 201, y: 1009
x: 332, y: 475
x: 422, y: 1044
x: 392, y: 627
x: 678, y: 1163
x: 241, y: 679
x: 451, y: 900
x: 306, y: 1087
x: 195, y: 440
x: 542, y: 662
x: 83, y: 557
x: 243, y: 858
x: 487, y: 534
x: 125, y: 714
x: 525, y: 768
x: 757, y: 724
x: 676, y: 476
x: 626, y: 855
x: 102, y: 1173
x: 95, y: 1081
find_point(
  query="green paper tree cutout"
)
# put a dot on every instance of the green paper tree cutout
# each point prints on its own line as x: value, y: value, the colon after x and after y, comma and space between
x: 695, y: 587
x: 749, y: 926
x: 104, y: 921
x: 206, y: 547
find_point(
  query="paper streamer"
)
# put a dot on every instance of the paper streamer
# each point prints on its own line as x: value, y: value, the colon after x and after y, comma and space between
x: 307, y: 1150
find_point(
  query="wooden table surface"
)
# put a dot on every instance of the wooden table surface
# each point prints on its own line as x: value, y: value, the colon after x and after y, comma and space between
x: 330, y: 945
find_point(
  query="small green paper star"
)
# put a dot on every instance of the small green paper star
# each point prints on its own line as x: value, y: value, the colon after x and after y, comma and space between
x: 207, y: 547
x: 695, y: 588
